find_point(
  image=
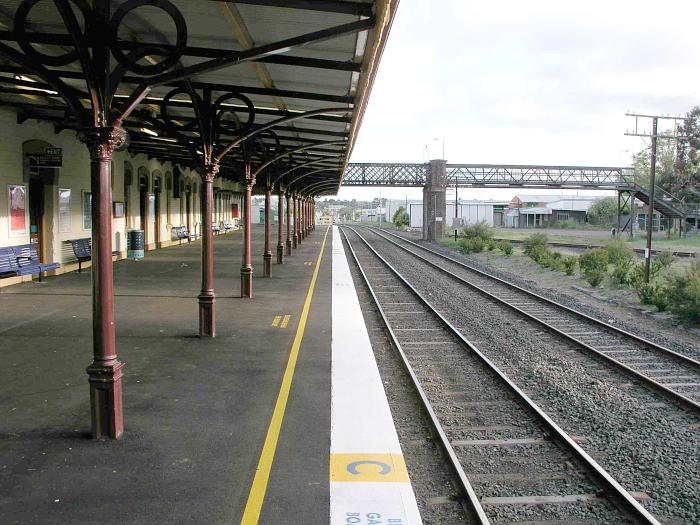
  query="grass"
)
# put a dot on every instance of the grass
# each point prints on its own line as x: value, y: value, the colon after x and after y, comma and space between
x: 686, y: 244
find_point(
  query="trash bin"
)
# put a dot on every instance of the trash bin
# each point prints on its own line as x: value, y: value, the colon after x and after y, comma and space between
x: 135, y: 242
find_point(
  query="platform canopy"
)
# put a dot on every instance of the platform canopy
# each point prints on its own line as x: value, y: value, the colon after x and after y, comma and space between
x: 248, y: 63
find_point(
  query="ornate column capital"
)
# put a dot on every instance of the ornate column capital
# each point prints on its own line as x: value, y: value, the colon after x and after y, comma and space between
x: 210, y: 172
x: 102, y: 141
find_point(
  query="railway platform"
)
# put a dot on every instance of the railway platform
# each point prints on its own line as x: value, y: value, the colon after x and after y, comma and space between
x: 281, y: 418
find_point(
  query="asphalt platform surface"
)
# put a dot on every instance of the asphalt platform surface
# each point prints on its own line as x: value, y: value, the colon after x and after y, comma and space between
x: 196, y: 411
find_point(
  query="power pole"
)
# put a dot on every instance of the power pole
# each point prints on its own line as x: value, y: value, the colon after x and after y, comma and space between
x: 650, y: 211
x: 652, y: 174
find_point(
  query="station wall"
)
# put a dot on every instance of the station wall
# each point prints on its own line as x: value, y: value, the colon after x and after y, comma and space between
x: 146, y: 193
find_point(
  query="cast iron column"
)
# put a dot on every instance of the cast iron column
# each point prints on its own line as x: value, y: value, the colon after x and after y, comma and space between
x: 302, y: 216
x: 207, y: 298
x: 280, y: 221
x: 247, y: 268
x: 267, y: 256
x: 299, y: 219
x: 289, y: 225
x: 294, y: 220
x: 105, y: 372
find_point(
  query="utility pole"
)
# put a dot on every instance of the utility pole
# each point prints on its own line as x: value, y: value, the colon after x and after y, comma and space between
x: 652, y: 174
x: 650, y: 211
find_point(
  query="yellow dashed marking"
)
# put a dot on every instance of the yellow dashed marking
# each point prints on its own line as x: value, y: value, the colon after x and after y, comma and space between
x: 368, y: 468
x: 285, y: 321
x: 276, y: 320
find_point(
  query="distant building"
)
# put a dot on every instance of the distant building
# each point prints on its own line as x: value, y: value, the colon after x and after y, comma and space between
x: 542, y: 211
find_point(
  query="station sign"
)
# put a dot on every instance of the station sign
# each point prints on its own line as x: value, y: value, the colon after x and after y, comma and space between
x: 50, y: 158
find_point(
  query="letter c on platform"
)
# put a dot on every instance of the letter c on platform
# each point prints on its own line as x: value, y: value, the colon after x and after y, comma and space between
x: 352, y: 467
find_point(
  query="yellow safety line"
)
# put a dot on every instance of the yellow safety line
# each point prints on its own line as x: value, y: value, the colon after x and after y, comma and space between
x: 253, y: 506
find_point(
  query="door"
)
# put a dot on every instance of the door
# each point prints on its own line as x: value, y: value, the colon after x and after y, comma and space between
x: 36, y: 216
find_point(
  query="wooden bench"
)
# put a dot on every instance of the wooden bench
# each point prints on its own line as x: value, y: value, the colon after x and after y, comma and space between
x: 82, y: 249
x: 22, y: 260
x: 216, y: 229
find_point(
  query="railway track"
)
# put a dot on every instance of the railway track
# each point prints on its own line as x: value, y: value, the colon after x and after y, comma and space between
x: 660, y: 369
x: 510, y: 460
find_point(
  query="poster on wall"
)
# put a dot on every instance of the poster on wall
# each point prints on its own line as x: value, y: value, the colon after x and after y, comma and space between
x: 63, y: 210
x: 17, y: 198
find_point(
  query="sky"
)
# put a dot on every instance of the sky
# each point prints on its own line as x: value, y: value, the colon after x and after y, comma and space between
x: 538, y: 82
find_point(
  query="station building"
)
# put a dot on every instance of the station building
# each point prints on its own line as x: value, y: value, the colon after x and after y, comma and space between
x: 47, y: 198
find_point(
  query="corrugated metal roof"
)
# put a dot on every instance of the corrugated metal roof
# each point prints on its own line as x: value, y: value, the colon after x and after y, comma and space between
x: 332, y: 72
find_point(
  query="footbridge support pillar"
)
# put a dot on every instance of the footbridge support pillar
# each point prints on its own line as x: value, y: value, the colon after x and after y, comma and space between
x: 434, y: 201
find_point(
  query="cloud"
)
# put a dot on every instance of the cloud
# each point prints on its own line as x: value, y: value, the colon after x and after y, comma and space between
x: 518, y: 82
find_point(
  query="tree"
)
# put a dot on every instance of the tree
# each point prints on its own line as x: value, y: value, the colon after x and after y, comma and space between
x: 400, y: 218
x: 687, y: 183
x: 677, y: 161
x: 603, y: 211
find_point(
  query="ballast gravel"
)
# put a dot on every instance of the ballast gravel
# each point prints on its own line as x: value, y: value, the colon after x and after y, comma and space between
x: 644, y: 442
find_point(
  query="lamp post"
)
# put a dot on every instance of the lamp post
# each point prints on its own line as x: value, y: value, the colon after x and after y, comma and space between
x: 443, y: 146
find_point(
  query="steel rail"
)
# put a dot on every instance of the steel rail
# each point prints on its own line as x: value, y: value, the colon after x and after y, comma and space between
x: 645, y: 379
x: 464, y: 486
x: 616, y: 492
x: 682, y: 358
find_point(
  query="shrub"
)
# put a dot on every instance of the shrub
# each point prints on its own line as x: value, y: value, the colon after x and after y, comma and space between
x: 535, y: 242
x: 539, y: 254
x: 569, y: 262
x: 472, y: 244
x: 623, y: 272
x: 480, y: 230
x: 400, y: 218
x: 662, y: 260
x: 684, y: 294
x: 619, y: 252
x: 594, y: 265
x: 554, y: 261
x: 656, y: 293
x: 490, y: 245
x: 603, y: 211
x: 506, y: 247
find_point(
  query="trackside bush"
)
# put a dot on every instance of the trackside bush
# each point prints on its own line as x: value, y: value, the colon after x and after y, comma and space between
x: 569, y: 262
x: 535, y: 244
x: 621, y: 255
x: 619, y: 252
x: 506, y: 247
x: 480, y: 230
x: 472, y: 244
x: 594, y: 265
x: 684, y: 295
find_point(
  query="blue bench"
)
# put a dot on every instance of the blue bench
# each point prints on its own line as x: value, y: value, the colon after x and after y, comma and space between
x: 182, y: 234
x: 82, y: 249
x: 22, y: 260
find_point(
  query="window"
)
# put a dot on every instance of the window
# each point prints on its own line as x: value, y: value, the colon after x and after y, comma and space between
x: 63, y: 210
x: 87, y: 210
x: 562, y: 216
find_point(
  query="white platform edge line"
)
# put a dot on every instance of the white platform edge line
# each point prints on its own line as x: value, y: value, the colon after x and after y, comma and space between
x: 361, y: 421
